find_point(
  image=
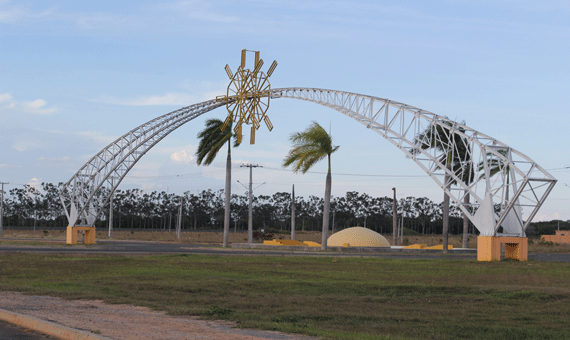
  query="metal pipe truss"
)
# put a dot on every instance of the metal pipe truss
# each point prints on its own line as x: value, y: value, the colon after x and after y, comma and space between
x: 85, y: 194
x: 499, y: 180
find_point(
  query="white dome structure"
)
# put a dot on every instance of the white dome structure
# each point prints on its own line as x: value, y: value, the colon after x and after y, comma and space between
x: 357, y: 237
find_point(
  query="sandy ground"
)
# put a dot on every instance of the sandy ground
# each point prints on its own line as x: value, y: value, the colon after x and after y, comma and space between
x: 129, y: 322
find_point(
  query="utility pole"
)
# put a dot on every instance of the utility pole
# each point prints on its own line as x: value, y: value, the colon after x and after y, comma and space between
x: 111, y: 207
x: 179, y: 221
x: 111, y: 217
x: 293, y: 213
x: 402, y: 229
x: 2, y: 208
x: 250, y: 217
x: 394, y: 220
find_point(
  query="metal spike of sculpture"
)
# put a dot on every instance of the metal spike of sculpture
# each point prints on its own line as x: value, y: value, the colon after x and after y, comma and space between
x: 248, y: 96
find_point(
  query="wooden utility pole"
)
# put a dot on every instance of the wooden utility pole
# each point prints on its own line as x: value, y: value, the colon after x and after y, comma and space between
x: 395, y: 220
x: 2, y: 208
x: 179, y: 220
x: 293, y: 213
x: 250, y: 211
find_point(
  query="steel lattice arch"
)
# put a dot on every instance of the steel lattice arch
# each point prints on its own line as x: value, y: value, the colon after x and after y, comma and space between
x: 488, y: 180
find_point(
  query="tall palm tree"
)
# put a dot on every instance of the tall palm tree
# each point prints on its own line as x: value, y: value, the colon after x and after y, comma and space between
x: 456, y: 157
x: 212, y: 138
x: 309, y: 147
x: 496, y: 165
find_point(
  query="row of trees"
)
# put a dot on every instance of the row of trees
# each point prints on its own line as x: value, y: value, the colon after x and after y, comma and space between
x: 135, y: 208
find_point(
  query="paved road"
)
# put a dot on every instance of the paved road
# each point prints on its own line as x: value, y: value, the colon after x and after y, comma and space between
x: 137, y: 247
x: 9, y: 331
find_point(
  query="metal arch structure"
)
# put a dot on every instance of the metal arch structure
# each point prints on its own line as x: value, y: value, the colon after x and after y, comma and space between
x: 499, y: 180
x: 85, y: 194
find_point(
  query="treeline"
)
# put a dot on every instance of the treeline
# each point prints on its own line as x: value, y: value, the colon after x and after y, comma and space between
x: 135, y: 208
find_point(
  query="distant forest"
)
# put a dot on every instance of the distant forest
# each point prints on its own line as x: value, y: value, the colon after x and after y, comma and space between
x: 138, y: 209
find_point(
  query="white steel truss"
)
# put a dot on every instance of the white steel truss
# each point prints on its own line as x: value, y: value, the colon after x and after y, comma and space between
x: 84, y: 195
x: 498, y: 180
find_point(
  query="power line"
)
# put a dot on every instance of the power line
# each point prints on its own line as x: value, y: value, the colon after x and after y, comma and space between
x: 564, y: 168
x: 346, y: 174
x: 237, y: 167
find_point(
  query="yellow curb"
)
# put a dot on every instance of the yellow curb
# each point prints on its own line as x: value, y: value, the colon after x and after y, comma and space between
x: 47, y: 327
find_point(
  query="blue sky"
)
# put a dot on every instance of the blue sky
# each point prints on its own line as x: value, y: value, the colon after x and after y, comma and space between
x: 74, y: 76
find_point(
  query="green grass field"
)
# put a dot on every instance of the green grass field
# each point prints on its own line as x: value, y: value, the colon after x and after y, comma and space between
x: 344, y: 298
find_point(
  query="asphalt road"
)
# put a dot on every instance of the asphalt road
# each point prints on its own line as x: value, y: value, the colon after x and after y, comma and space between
x: 138, y: 247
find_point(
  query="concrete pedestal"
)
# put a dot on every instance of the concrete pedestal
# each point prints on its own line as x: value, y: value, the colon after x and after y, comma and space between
x: 489, y: 248
x: 71, y: 237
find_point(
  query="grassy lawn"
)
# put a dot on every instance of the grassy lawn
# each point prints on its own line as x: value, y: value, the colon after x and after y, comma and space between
x: 344, y: 298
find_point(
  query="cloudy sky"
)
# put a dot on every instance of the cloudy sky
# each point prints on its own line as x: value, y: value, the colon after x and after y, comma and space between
x: 75, y: 75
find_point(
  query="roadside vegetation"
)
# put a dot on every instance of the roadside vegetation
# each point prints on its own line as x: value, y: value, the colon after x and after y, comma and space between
x: 54, y: 237
x: 138, y: 209
x: 338, y: 298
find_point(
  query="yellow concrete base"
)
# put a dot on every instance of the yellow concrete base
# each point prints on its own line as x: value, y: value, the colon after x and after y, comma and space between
x: 440, y: 247
x: 489, y: 248
x: 71, y: 237
x: 418, y: 246
x: 291, y: 243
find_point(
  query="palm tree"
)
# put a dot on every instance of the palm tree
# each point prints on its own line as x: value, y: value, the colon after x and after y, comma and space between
x: 456, y: 157
x: 212, y: 138
x: 309, y: 147
x: 496, y: 165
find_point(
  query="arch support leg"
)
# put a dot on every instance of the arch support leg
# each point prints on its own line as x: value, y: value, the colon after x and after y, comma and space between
x: 71, y: 236
x: 489, y: 248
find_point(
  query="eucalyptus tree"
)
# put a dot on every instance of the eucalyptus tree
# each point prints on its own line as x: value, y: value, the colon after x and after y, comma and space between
x: 424, y: 208
x: 282, y: 203
x: 212, y: 138
x: 309, y: 147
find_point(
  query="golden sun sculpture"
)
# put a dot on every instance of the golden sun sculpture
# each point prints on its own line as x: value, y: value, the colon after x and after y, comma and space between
x: 247, y: 99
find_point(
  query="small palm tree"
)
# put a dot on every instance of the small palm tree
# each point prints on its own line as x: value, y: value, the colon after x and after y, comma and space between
x: 456, y: 157
x: 309, y: 147
x: 212, y: 138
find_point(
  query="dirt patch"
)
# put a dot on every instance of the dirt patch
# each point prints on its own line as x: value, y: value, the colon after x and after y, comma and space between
x: 129, y: 322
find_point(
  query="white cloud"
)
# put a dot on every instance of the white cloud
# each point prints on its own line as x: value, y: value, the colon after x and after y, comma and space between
x: 36, y: 104
x: 546, y: 216
x: 54, y: 160
x: 35, y: 182
x: 36, y: 107
x: 25, y: 146
x: 166, y: 99
x: 5, y: 97
x: 191, y: 93
x: 14, y: 14
x: 7, y: 166
x: 96, y: 136
x: 182, y: 157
